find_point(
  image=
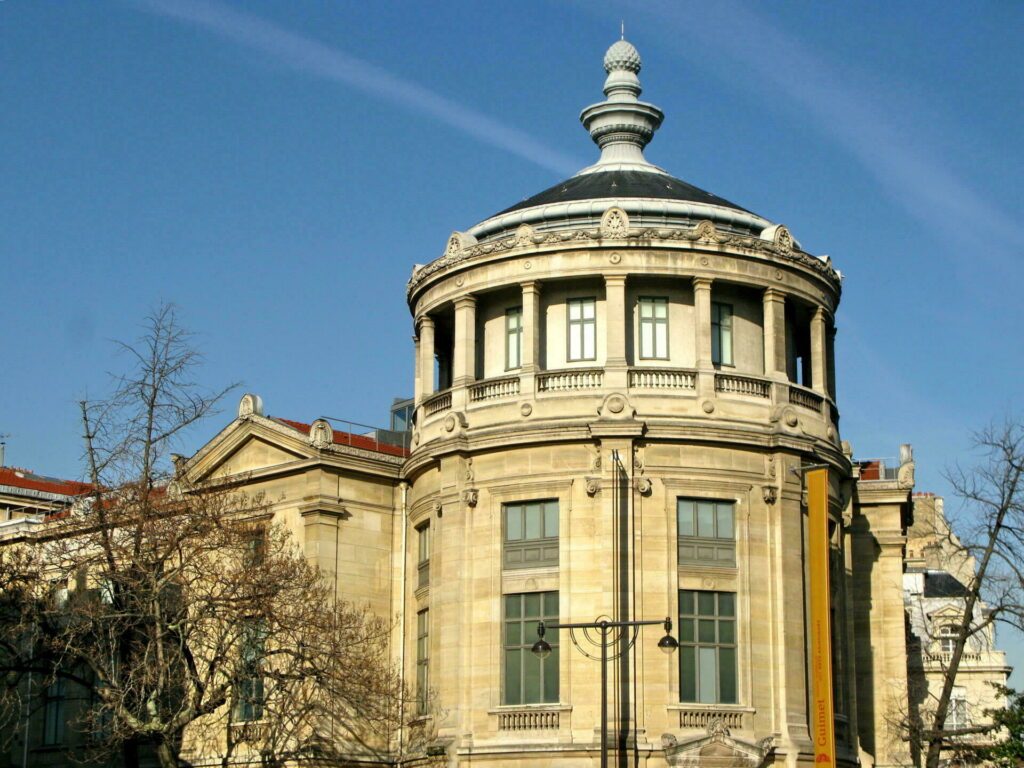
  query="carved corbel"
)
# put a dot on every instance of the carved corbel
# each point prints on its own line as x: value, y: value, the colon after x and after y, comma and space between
x: 470, y: 496
x: 593, y: 486
x: 770, y: 494
x: 642, y: 485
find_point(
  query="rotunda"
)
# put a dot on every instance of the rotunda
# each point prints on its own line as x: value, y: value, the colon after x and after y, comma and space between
x: 617, y: 382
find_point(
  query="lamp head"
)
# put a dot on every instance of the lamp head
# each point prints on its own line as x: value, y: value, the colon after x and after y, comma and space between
x: 668, y: 644
x: 541, y: 648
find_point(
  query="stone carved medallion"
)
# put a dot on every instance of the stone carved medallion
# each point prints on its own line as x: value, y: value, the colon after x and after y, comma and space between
x: 320, y: 434
x: 614, y: 224
x: 250, y: 405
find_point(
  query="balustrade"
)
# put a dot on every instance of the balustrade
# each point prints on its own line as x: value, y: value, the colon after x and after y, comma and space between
x: 438, y: 403
x: 805, y: 398
x: 662, y: 378
x: 732, y: 384
x: 570, y: 380
x: 529, y: 720
x: 494, y: 389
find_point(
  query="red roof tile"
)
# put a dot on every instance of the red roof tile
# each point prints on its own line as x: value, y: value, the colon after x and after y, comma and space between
x: 347, y: 438
x: 23, y: 478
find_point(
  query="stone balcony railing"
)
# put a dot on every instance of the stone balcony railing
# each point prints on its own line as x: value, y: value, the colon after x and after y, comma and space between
x: 529, y: 717
x: 731, y: 383
x: 570, y: 380
x: 494, y: 389
x: 662, y: 378
x: 700, y: 716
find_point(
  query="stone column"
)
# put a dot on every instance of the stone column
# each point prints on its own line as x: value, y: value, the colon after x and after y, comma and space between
x: 464, y: 363
x: 533, y: 320
x: 615, y: 331
x: 774, y: 334
x: 702, y: 329
x: 818, y: 352
x: 426, y: 349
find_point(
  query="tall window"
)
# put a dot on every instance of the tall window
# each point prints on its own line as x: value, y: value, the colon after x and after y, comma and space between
x: 513, y: 338
x: 956, y: 716
x: 249, y: 674
x: 531, y: 534
x: 53, y: 713
x: 721, y: 333
x: 707, y: 647
x: 947, y: 637
x: 422, y: 660
x: 653, y: 328
x: 423, y: 554
x: 707, y: 532
x: 582, y: 329
x: 529, y: 679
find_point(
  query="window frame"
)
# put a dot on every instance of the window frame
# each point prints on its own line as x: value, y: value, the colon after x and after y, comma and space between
x: 691, y: 625
x: 422, y: 660
x: 423, y: 547
x: 655, y: 322
x: 722, y: 327
x: 522, y: 640
x: 584, y: 325
x: 523, y: 543
x: 54, y: 703
x: 718, y: 543
x: 514, y: 332
x: 249, y: 691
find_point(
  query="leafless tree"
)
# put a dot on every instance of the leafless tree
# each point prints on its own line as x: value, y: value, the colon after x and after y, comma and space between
x: 191, y: 622
x: 989, y: 531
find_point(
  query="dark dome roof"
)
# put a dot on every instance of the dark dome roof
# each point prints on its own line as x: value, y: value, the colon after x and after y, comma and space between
x: 615, y: 183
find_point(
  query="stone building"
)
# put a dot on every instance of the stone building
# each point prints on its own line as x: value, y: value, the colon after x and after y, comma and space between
x: 617, y: 383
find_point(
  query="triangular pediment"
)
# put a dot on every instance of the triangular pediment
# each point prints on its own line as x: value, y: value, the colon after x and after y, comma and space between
x: 247, y: 446
x: 717, y: 748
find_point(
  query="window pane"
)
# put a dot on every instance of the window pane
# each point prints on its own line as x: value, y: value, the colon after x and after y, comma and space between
x: 514, y: 633
x: 589, y: 309
x: 531, y: 679
x: 705, y: 519
x: 688, y: 674
x: 531, y: 605
x: 575, y: 309
x: 513, y: 606
x: 513, y: 523
x: 686, y: 630
x: 706, y: 675
x: 588, y: 341
x: 661, y: 340
x: 551, y: 677
x: 646, y: 340
x: 726, y: 631
x: 551, y: 519
x: 661, y: 308
x: 575, y: 343
x: 724, y: 521
x: 685, y: 513
x: 716, y: 346
x: 727, y: 675
x: 726, y: 353
x: 726, y: 604
x: 533, y: 521
x: 706, y: 631
x: 706, y: 603
x: 513, y: 677
x: 686, y: 602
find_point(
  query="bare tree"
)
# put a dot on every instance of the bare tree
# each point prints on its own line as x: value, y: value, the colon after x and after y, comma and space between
x: 191, y: 622
x: 990, y: 532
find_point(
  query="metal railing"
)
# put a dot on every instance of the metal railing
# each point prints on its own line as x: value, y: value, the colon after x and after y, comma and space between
x: 367, y: 436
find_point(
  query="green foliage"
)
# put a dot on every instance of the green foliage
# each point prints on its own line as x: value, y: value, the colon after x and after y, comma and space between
x: 1008, y: 731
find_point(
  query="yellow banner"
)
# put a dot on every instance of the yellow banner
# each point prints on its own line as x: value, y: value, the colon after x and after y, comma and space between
x: 822, y: 715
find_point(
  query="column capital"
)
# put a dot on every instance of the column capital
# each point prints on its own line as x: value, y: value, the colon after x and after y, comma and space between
x: 531, y: 286
x: 820, y: 313
x: 702, y: 282
x: 774, y: 294
x: 615, y: 278
x: 424, y: 321
x: 466, y: 301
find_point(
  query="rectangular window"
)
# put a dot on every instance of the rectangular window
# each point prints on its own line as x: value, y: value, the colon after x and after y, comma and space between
x: 513, y: 338
x: 582, y: 329
x: 956, y: 716
x: 707, y: 532
x: 423, y: 554
x: 53, y: 713
x: 528, y: 678
x: 707, y: 647
x: 653, y: 328
x: 531, y: 534
x: 721, y: 333
x: 249, y: 675
x: 422, y: 660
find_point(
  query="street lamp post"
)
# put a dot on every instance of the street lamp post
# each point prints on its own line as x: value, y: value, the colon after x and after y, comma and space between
x: 606, y: 627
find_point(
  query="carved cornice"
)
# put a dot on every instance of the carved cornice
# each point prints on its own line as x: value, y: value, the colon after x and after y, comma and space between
x: 704, y: 232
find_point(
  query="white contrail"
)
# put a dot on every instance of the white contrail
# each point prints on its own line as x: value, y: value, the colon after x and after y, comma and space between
x: 315, y: 58
x: 917, y: 181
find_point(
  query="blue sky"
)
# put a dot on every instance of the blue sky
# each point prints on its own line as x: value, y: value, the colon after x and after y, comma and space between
x: 276, y: 169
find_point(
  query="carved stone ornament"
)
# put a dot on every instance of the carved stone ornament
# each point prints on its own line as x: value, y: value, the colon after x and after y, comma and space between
x: 454, y: 246
x: 525, y: 409
x: 770, y: 494
x: 716, y: 747
x: 593, y: 486
x: 642, y: 485
x: 615, y: 258
x: 708, y: 406
x: 616, y: 406
x: 783, y: 239
x: 524, y: 235
x: 470, y: 496
x: 769, y: 467
x: 250, y: 405
x: 596, y: 463
x: 717, y: 727
x: 707, y: 233
x: 469, y: 476
x: 437, y: 509
x: 614, y: 224
x: 449, y: 423
x: 320, y: 434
